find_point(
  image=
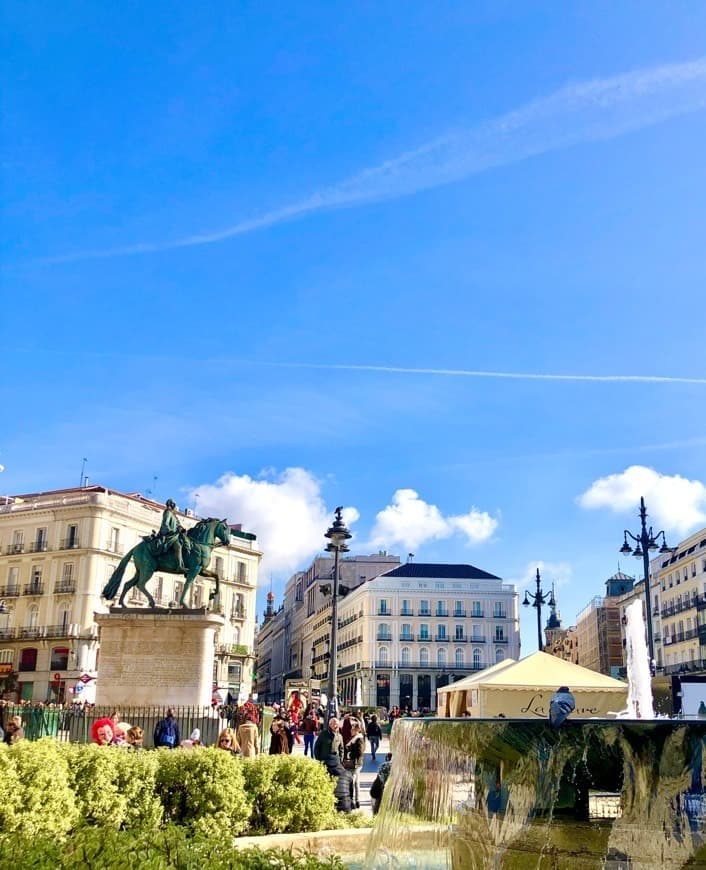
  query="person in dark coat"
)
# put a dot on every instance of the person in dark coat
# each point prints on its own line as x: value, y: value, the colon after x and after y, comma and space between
x: 374, y: 734
x: 329, y: 745
x: 561, y: 706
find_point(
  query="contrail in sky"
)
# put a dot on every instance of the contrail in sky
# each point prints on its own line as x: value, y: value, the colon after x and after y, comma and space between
x: 515, y: 376
x: 586, y: 111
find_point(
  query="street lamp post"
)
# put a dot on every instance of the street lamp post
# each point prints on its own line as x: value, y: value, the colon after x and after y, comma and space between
x: 644, y: 542
x: 539, y: 598
x: 337, y: 535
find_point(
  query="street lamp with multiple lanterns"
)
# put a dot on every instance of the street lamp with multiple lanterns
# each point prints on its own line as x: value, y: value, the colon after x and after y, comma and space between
x: 337, y: 536
x: 645, y: 541
x: 539, y: 599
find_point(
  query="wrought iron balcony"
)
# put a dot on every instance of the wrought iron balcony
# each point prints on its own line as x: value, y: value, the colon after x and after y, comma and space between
x: 460, y: 614
x: 33, y: 588
x: 384, y: 635
x: 7, y: 633
x: 477, y: 614
x: 64, y: 587
x: 56, y: 631
x: 477, y: 639
x: 9, y: 591
x: 442, y: 611
x: 442, y: 638
x: 500, y: 640
x: 70, y: 543
x: 38, y: 547
x: 30, y: 631
x: 15, y: 549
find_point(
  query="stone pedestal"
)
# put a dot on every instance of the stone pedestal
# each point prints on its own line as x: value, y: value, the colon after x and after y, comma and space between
x: 156, y: 657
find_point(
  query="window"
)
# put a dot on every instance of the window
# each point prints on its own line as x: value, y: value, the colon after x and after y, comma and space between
x: 242, y: 572
x: 459, y: 609
x: 28, y: 659
x: 499, y: 656
x: 67, y: 573
x: 72, y: 537
x: 693, y: 569
x: 40, y: 542
x: 458, y: 632
x: 441, y: 632
x: 459, y: 658
x: 65, y: 616
x: 32, y: 617
x: 384, y: 607
x: 441, y: 659
x: 404, y: 656
x: 196, y: 596
x: 424, y: 631
x: 114, y: 540
x: 441, y: 608
x: 424, y: 658
x: 670, y: 581
x: 406, y: 631
x: 685, y: 572
x: 499, y: 633
x: 384, y: 631
x: 476, y: 609
x: 18, y: 541
x: 300, y: 591
x: 477, y: 632
x: 178, y: 589
x: 498, y: 610
x: 406, y: 607
x: 383, y: 657
x: 158, y: 590
x: 236, y: 634
x: 13, y: 578
x: 59, y: 658
x: 36, y: 577
x: 234, y: 672
x: 476, y: 659
x: 424, y: 608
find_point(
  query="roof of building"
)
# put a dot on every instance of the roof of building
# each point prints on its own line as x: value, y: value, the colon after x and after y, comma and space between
x: 440, y: 571
x: 621, y: 576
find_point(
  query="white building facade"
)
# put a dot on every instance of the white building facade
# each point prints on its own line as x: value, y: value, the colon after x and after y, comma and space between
x: 57, y: 551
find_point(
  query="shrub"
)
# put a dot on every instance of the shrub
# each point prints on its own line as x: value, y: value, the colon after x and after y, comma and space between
x: 165, y: 849
x: 115, y: 788
x: 37, y: 776
x: 289, y: 794
x: 203, y: 789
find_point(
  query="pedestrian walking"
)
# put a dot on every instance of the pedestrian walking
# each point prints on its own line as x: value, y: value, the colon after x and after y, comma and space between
x: 374, y: 735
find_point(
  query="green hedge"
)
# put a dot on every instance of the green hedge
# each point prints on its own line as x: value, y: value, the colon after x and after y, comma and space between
x: 50, y: 789
x: 170, y: 847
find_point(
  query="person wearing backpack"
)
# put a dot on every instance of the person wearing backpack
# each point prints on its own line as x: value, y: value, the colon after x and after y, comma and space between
x: 166, y: 732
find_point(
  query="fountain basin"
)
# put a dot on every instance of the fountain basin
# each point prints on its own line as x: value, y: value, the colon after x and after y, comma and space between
x: 515, y: 793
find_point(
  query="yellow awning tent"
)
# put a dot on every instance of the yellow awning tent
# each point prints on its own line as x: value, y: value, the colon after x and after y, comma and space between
x: 523, y: 690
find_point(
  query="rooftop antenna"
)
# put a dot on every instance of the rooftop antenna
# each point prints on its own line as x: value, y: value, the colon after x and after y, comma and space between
x: 83, y: 468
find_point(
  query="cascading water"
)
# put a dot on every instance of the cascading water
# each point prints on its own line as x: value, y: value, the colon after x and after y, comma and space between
x: 638, y: 665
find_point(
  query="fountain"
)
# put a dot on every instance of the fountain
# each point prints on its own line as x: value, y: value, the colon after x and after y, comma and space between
x: 614, y: 793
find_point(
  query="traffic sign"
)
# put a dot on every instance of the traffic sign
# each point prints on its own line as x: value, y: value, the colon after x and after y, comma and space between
x: 57, y: 678
x: 86, y: 678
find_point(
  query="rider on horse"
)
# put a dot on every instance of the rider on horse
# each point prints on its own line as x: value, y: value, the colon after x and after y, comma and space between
x: 171, y: 532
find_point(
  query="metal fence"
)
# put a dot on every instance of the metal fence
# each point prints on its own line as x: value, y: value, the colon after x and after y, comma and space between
x: 74, y: 725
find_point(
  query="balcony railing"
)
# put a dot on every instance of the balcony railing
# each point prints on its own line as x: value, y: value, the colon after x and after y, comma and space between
x: 383, y: 611
x: 38, y: 547
x: 64, y: 587
x: 500, y: 640
x: 56, y: 631
x: 424, y: 613
x: 406, y: 638
x: 29, y: 631
x: 112, y: 547
x: 15, y: 549
x: 383, y: 636
x: 477, y: 639
x: 237, y: 613
x: 443, y: 611
x: 69, y: 543
x: 424, y: 638
x: 459, y: 614
x: 461, y: 638
x: 33, y: 589
x: 406, y: 612
x: 7, y: 633
x: 477, y: 614
x: 442, y: 638
x: 499, y: 614
x: 9, y: 591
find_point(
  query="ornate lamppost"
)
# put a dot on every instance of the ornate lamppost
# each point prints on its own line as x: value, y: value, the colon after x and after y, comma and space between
x: 645, y: 541
x: 539, y: 599
x: 337, y: 536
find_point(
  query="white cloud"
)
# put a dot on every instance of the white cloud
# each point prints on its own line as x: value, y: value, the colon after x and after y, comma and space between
x: 410, y: 521
x: 673, y: 502
x: 286, y: 511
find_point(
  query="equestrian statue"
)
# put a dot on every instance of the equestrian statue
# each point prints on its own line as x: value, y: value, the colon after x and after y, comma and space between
x: 173, y: 550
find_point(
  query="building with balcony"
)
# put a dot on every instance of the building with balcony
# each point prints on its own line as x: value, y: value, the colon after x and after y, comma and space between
x: 57, y: 551
x: 402, y: 633
x: 680, y: 580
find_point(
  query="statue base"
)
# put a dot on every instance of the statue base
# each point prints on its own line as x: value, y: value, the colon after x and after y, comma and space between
x: 156, y: 657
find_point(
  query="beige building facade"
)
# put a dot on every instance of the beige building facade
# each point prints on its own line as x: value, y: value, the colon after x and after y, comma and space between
x: 402, y: 634
x: 57, y: 551
x: 680, y: 581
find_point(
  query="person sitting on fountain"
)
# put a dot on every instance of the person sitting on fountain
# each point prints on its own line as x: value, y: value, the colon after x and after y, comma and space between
x: 171, y: 532
x: 561, y: 706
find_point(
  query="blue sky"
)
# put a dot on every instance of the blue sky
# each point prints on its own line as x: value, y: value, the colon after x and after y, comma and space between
x: 259, y: 254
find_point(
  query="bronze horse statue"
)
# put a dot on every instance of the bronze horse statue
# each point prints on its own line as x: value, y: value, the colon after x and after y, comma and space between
x: 196, y: 552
